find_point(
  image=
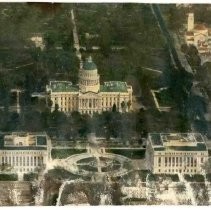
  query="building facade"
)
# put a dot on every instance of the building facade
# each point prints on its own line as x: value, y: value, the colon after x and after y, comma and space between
x: 198, y: 35
x: 171, y: 153
x: 89, y: 96
x: 24, y: 152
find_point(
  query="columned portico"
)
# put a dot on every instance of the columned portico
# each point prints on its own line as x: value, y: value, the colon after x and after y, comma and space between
x: 89, y: 103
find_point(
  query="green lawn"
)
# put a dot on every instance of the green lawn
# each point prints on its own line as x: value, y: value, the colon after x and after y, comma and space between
x: 8, y: 177
x: 64, y: 153
x: 60, y: 174
x: 130, y: 153
x: 208, y: 177
x: 194, y: 178
x: 164, y: 98
x: 30, y: 176
x: 143, y: 174
x: 156, y: 177
x: 135, y: 201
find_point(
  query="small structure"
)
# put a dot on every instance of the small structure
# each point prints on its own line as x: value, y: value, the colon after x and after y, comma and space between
x: 38, y: 41
x: 25, y: 152
x: 171, y: 153
x: 198, y: 35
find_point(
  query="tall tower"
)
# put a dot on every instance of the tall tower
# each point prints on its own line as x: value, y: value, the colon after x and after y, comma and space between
x: 89, y: 79
x: 190, y: 21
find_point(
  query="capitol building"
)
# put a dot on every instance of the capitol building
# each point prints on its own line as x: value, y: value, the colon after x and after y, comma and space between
x: 89, y: 96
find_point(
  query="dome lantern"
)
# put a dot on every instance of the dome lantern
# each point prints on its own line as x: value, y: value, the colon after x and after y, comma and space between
x: 89, y: 64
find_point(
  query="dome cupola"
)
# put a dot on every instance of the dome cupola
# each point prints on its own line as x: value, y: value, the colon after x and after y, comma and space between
x: 89, y: 64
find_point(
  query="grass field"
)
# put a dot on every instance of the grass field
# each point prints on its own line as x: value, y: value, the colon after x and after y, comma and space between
x: 8, y: 177
x: 130, y: 153
x: 64, y: 153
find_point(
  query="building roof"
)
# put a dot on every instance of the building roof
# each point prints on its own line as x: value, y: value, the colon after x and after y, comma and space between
x: 198, y: 147
x: 41, y: 140
x: 200, y: 27
x: 190, y: 39
x: 89, y: 64
x: 114, y: 86
x: 63, y: 86
x: 202, y: 48
x: 177, y: 142
x: 23, y: 148
x: 23, y: 141
x: 189, y: 33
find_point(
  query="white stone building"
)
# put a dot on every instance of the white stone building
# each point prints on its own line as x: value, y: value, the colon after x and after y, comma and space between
x: 198, y: 35
x: 171, y: 153
x: 24, y: 152
x: 89, y: 96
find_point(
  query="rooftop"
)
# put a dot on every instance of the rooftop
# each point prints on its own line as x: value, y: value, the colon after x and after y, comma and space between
x: 189, y: 33
x: 23, y: 141
x: 62, y: 86
x: 89, y: 64
x: 177, y: 141
x: 191, y: 39
x: 200, y: 27
x: 114, y: 86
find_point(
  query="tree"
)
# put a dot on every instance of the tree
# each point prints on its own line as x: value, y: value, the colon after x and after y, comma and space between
x: 56, y: 108
x: 105, y: 40
x: 207, y: 166
x: 184, y: 123
x: 123, y: 106
x: 50, y: 39
x: 175, y: 17
x: 45, y: 115
x: 184, y: 48
x: 31, y: 121
x: 193, y: 57
x: 129, y: 104
x: 141, y: 123
x: 114, y: 108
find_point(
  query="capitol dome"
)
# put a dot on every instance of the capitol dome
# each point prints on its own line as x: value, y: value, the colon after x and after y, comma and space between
x: 89, y: 64
x: 89, y: 79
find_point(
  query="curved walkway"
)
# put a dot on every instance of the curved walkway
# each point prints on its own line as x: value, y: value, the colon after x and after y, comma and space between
x: 70, y: 164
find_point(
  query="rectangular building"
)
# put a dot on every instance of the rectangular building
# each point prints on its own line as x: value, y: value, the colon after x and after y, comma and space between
x: 23, y: 152
x: 171, y: 153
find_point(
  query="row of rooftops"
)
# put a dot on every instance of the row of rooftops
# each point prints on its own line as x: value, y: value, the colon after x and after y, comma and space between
x: 65, y: 86
x: 158, y: 141
x: 177, y: 141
